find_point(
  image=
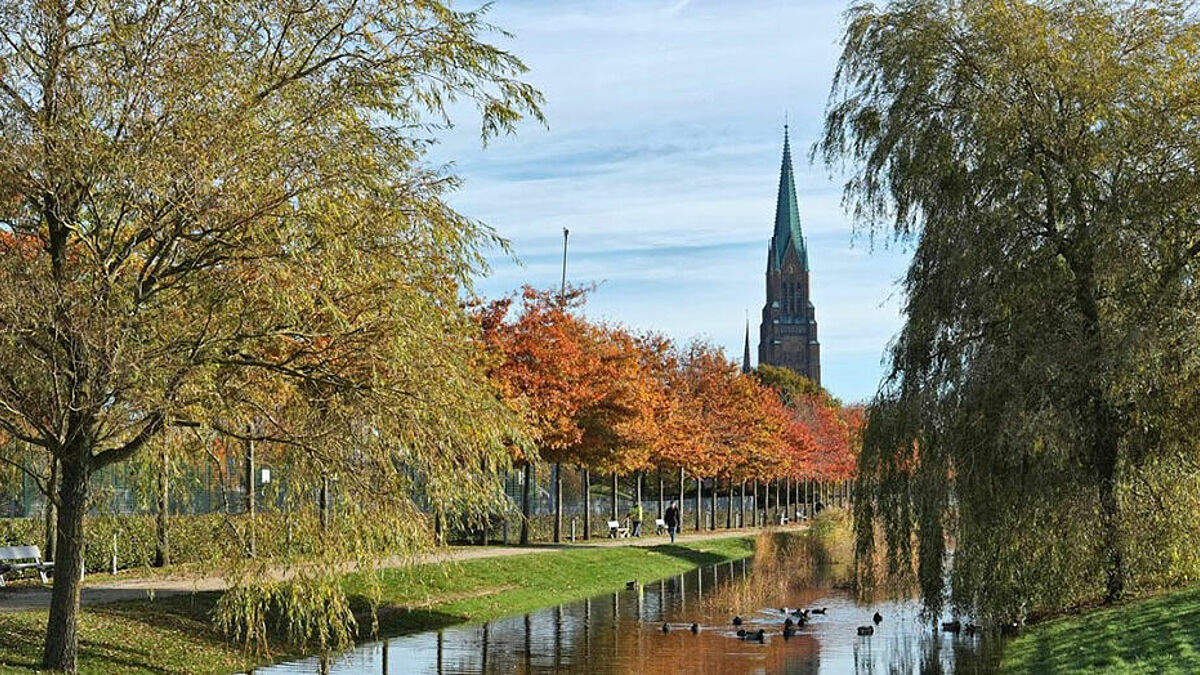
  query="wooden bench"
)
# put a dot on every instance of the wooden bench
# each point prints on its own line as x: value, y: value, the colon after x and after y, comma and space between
x: 21, y: 558
x: 660, y: 526
x: 615, y: 531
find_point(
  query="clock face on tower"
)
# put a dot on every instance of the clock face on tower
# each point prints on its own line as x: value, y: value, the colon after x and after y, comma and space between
x: 788, y: 334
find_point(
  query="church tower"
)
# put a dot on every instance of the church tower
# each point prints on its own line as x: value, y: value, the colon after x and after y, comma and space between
x: 788, y: 334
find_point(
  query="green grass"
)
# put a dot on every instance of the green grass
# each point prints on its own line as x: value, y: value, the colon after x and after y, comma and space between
x: 175, y: 635
x: 1157, y: 635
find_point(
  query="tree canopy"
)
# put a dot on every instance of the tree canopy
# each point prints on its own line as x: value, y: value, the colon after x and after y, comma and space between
x: 220, y: 214
x: 1041, y: 157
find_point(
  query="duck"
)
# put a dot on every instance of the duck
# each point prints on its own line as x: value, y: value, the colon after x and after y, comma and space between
x: 866, y: 630
x: 666, y: 628
x: 761, y: 635
x: 788, y: 624
x: 819, y: 610
x: 737, y: 620
x: 952, y: 626
x: 741, y: 633
x: 695, y: 629
x: 878, y: 618
x: 799, y: 612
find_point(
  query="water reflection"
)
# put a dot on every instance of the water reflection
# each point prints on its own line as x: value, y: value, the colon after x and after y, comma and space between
x: 622, y: 633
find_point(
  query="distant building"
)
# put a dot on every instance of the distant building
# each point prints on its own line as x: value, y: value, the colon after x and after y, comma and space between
x: 788, y: 334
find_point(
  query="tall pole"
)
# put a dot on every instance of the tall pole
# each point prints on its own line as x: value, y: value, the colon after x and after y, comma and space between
x: 558, y: 498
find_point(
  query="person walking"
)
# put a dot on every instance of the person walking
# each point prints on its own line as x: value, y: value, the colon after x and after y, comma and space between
x: 671, y: 518
x: 635, y: 517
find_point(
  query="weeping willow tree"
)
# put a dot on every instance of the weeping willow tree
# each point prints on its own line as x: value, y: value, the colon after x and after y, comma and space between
x: 218, y: 214
x: 1040, y: 416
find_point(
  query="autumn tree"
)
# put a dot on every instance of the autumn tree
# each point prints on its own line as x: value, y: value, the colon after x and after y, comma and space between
x: 1041, y: 157
x: 234, y: 227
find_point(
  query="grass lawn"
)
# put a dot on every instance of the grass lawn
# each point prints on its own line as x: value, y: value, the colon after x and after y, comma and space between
x: 1157, y: 635
x: 174, y: 634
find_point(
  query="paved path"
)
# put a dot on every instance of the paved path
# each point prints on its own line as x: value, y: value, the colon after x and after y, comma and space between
x: 21, y: 598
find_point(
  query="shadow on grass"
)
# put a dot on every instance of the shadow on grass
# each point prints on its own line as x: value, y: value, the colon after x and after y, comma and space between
x: 698, y: 558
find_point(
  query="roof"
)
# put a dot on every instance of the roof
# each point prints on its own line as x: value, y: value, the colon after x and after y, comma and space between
x: 787, y: 213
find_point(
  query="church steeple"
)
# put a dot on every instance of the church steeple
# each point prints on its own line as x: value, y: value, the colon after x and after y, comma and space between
x: 746, y: 354
x: 787, y: 213
x: 788, y: 333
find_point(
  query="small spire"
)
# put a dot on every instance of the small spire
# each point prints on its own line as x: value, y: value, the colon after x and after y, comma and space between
x: 746, y: 353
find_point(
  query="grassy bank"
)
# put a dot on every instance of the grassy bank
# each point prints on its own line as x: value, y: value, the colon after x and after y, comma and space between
x: 1157, y: 635
x: 175, y: 635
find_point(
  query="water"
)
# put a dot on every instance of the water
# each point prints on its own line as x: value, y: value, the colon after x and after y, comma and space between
x: 621, y: 633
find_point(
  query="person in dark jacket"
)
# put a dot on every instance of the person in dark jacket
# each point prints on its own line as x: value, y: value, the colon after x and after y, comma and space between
x: 671, y: 518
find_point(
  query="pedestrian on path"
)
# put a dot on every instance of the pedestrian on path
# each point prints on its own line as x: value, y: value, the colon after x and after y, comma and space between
x: 671, y: 518
x: 635, y: 516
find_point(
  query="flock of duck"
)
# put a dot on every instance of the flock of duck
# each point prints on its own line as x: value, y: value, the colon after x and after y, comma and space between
x: 795, y: 619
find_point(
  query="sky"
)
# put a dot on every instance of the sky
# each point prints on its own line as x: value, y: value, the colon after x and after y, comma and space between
x: 661, y: 155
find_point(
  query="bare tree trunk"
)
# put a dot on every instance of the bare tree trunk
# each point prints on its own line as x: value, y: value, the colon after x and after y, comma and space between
x: 587, y: 503
x: 699, y: 504
x: 162, y: 548
x: 61, y: 643
x: 637, y: 477
x: 526, y: 502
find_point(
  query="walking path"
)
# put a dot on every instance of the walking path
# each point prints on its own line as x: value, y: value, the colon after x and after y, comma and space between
x: 140, y: 587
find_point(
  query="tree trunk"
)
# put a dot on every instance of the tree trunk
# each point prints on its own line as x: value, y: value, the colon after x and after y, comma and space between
x: 323, y: 509
x: 61, y: 643
x: 729, y: 504
x: 742, y: 504
x: 1105, y: 449
x: 699, y: 504
x: 637, y: 477
x: 680, y: 503
x: 526, y: 504
x: 162, y: 549
x: 587, y: 503
x: 754, y: 506
x: 661, y: 510
x: 50, y: 512
x: 251, y: 504
x: 557, y: 502
x: 712, y: 506
x: 614, y: 496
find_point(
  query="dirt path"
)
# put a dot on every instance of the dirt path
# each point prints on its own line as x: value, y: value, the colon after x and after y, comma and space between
x: 140, y: 586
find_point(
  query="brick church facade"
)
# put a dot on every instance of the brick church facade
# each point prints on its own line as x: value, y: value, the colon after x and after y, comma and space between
x: 788, y: 333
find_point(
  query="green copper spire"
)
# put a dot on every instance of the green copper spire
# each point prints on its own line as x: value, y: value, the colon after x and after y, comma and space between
x: 787, y: 212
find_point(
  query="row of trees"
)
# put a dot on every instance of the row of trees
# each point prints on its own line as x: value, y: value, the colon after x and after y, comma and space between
x: 614, y: 402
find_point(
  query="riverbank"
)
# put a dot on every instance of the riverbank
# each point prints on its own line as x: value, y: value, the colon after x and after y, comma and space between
x: 174, y: 634
x: 1155, y: 635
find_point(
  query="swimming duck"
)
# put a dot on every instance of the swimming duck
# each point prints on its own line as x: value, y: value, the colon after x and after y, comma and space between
x: 866, y: 630
x: 741, y: 633
x: 878, y: 618
x: 666, y: 628
x: 695, y: 628
x: 788, y: 624
x: 737, y: 620
x: 820, y: 610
